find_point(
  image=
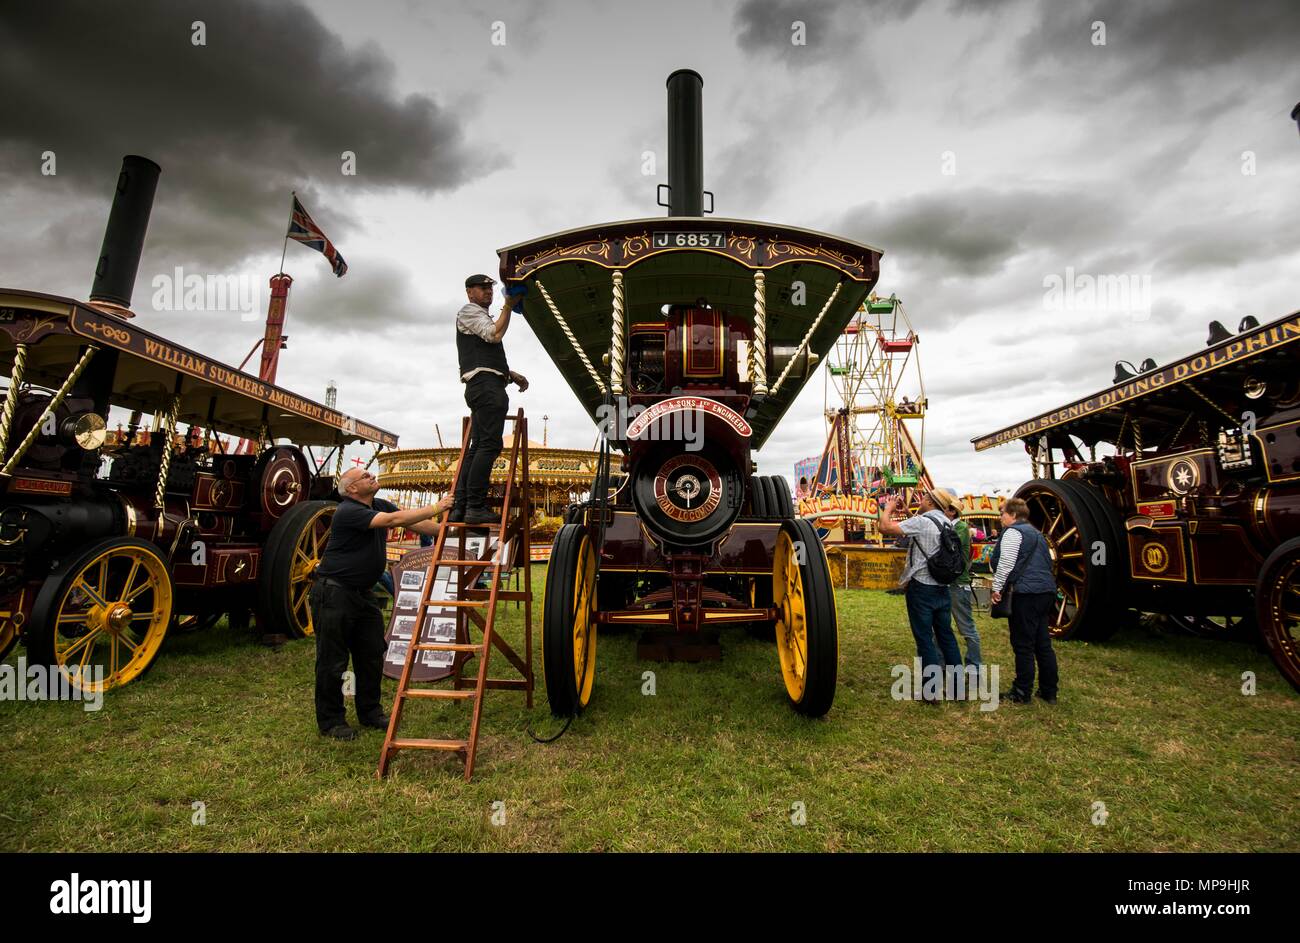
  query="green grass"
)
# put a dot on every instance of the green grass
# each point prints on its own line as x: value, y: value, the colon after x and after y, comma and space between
x: 1154, y: 726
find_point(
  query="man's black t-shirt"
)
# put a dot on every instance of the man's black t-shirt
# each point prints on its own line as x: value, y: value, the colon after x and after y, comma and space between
x: 354, y: 554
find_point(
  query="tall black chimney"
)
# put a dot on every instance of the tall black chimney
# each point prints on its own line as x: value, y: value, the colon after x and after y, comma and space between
x: 119, y: 259
x: 685, y: 144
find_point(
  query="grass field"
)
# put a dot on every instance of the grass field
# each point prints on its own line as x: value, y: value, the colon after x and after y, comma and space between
x: 1155, y: 727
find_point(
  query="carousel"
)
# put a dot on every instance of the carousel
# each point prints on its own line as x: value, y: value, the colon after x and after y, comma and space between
x: 558, y: 479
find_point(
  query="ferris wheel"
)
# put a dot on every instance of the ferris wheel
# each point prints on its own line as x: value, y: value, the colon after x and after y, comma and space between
x: 875, y: 404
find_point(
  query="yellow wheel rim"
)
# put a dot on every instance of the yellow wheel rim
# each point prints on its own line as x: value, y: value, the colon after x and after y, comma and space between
x: 307, y: 553
x: 584, y: 623
x: 1066, y: 549
x: 112, y: 618
x: 11, y: 621
x: 791, y: 616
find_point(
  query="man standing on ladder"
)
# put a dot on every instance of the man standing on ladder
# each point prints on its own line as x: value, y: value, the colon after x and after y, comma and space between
x: 485, y: 373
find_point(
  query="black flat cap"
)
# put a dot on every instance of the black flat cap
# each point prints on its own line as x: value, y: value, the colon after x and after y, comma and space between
x: 478, y: 280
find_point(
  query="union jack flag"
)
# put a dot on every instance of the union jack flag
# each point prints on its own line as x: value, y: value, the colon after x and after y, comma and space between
x: 302, y: 228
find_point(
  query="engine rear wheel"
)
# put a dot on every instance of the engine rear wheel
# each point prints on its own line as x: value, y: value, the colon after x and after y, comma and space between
x: 1277, y: 608
x: 1114, y: 541
x: 807, y: 633
x: 568, y: 622
x: 101, y: 617
x: 293, y: 551
x: 782, y: 502
x: 1239, y: 628
x: 1085, y: 606
x: 757, y: 497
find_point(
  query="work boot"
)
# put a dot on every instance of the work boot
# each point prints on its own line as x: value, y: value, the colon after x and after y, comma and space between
x: 378, y: 722
x: 340, y: 732
x: 458, y: 503
x: 481, y: 515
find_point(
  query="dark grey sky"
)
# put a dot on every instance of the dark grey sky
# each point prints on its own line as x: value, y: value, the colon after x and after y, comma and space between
x: 1118, y: 159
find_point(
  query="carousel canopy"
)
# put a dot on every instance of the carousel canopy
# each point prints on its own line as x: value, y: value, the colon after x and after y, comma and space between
x: 680, y: 260
x: 435, y: 469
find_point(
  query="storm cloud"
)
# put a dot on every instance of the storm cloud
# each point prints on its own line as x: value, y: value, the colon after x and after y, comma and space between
x: 267, y: 104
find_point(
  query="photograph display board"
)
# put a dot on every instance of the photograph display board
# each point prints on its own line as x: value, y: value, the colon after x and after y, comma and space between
x: 440, y: 623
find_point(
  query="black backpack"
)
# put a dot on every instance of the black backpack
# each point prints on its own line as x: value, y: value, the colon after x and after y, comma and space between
x: 946, y: 563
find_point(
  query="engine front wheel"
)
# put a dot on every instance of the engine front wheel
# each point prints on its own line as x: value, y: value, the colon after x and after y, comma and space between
x: 102, y: 616
x: 807, y: 633
x: 569, y: 623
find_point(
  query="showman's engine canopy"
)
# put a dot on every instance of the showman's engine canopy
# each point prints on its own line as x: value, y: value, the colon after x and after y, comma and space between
x: 686, y: 339
x: 98, y: 564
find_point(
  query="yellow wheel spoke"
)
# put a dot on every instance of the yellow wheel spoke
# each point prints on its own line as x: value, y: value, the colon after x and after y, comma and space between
x: 80, y: 583
x: 800, y: 646
x: 85, y: 654
x: 84, y: 640
x: 147, y: 584
x: 130, y: 579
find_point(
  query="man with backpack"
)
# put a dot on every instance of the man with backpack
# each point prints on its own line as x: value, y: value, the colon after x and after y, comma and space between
x: 933, y: 562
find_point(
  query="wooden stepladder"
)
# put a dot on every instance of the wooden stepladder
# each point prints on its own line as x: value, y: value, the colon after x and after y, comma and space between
x: 474, y: 607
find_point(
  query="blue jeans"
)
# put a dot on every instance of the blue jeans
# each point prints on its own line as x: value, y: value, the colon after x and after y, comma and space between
x: 929, y: 610
x: 960, y: 595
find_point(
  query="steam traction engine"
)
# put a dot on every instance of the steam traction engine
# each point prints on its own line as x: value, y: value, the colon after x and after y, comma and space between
x: 1196, y: 511
x: 95, y: 567
x: 686, y: 339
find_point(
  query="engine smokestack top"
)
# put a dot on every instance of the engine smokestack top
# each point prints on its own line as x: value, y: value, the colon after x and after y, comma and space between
x: 119, y: 258
x: 685, y: 144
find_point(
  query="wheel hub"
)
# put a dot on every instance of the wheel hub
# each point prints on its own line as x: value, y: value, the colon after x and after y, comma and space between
x: 118, y: 618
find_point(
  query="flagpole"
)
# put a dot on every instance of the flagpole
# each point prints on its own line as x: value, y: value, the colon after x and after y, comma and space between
x: 293, y: 195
